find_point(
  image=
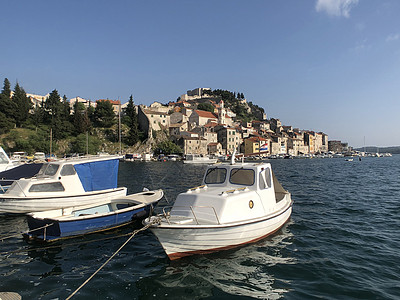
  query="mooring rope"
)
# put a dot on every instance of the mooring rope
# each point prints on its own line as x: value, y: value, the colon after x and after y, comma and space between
x: 112, y: 256
x: 25, y: 232
x: 65, y: 245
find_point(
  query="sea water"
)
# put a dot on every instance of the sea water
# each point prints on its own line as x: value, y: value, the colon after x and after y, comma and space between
x: 342, y: 242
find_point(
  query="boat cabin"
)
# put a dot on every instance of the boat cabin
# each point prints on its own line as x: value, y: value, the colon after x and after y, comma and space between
x: 232, y: 192
x: 68, y: 177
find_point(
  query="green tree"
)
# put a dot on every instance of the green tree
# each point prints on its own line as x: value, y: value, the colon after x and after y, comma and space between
x: 23, y: 105
x: 6, y: 91
x: 104, y: 115
x: 167, y: 147
x: 81, y: 121
x: 7, y: 108
x: 82, y: 141
x: 206, y: 107
x: 131, y: 120
x: 55, y: 116
x: 38, y: 114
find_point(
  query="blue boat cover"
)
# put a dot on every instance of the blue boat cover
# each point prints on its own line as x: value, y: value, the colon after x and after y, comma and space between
x: 98, y: 175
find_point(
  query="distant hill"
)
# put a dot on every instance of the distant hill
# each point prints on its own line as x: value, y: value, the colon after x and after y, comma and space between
x: 373, y: 149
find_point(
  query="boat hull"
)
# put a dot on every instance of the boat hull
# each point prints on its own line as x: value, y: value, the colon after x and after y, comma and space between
x: 53, y: 230
x: 80, y: 220
x: 181, y: 240
x: 22, y: 205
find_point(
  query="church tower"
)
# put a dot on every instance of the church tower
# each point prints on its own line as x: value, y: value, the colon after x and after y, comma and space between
x: 221, y: 113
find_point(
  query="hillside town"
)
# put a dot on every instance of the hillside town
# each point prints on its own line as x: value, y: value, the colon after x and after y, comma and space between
x: 219, y: 133
x: 216, y: 131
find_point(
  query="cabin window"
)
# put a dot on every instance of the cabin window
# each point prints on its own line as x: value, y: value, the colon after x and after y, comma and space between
x: 242, y: 176
x: 47, y: 187
x: 215, y: 176
x: 48, y: 170
x: 67, y: 170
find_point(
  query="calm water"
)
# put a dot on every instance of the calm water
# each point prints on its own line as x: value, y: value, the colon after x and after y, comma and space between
x: 342, y: 242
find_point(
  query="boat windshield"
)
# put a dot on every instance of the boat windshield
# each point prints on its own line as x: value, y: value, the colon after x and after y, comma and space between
x: 3, y: 158
x: 242, y: 176
x: 48, y: 170
x: 215, y: 176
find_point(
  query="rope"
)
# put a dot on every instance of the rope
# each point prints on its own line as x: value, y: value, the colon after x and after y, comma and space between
x: 25, y: 232
x: 64, y: 245
x: 112, y: 256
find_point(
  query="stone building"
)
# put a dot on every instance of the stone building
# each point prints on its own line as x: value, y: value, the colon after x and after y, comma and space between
x: 193, y: 145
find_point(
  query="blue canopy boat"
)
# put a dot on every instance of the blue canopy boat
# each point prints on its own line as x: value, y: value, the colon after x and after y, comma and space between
x: 84, y: 219
x: 65, y: 183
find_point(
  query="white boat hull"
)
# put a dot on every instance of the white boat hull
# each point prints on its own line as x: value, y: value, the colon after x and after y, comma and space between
x: 205, y: 161
x: 183, y: 240
x: 20, y: 205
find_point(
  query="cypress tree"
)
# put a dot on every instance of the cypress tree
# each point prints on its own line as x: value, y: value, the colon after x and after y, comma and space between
x: 130, y: 112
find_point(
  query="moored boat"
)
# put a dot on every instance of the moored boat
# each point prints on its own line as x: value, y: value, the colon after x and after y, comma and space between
x: 64, y: 183
x: 237, y: 204
x: 5, y: 162
x: 199, y: 159
x: 22, y: 171
x: 84, y: 219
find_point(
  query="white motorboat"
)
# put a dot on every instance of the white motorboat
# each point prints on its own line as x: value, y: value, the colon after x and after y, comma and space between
x: 237, y: 204
x: 5, y: 162
x: 64, y: 183
x: 199, y: 159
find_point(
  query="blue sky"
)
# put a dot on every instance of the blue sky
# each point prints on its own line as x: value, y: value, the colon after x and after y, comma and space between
x: 326, y: 65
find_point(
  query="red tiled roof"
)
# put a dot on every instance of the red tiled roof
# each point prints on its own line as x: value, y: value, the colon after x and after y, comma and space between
x: 206, y: 114
x: 114, y: 102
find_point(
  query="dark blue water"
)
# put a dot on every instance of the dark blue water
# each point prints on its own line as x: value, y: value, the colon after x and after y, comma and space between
x: 342, y: 242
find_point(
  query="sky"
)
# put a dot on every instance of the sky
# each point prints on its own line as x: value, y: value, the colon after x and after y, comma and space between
x: 321, y: 65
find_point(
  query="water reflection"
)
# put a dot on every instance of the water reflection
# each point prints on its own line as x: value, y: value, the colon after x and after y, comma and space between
x: 237, y: 272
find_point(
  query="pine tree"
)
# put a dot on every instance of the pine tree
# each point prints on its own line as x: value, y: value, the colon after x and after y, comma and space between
x: 7, y: 108
x: 81, y: 120
x: 54, y: 108
x: 104, y: 114
x: 38, y: 114
x: 6, y: 88
x: 22, y: 103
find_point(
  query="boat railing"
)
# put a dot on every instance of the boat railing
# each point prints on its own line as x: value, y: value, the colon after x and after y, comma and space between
x: 234, y: 191
x: 197, y: 188
x: 196, y: 212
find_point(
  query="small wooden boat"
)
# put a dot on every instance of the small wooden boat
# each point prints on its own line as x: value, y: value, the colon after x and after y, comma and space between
x: 79, y: 220
x: 237, y: 204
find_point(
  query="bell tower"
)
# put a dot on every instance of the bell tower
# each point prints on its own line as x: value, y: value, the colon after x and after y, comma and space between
x: 221, y: 113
